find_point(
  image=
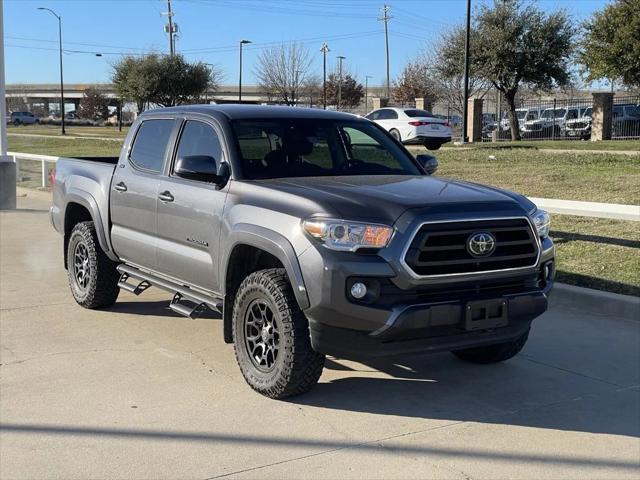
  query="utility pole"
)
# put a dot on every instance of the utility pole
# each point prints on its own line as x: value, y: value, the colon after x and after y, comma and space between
x: 465, y: 106
x: 7, y: 165
x: 242, y: 42
x: 340, y: 59
x: 170, y: 29
x: 366, y: 92
x: 62, y: 130
x: 324, y: 50
x: 385, y: 18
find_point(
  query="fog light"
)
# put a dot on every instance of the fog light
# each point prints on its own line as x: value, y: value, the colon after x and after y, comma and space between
x: 358, y: 290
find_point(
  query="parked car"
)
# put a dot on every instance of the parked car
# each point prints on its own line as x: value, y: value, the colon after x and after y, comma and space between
x: 551, y: 122
x: 626, y: 120
x: 523, y: 115
x: 23, y: 118
x: 313, y: 233
x: 580, y: 127
x: 412, y: 125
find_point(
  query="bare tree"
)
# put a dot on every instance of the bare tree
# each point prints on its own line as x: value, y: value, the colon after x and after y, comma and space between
x: 445, y: 66
x: 414, y: 82
x: 283, y: 71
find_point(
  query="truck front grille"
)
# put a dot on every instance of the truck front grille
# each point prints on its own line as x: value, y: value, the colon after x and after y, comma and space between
x: 442, y: 248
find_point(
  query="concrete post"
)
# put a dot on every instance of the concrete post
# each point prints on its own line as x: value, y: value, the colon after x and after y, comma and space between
x: 379, y: 102
x: 474, y: 120
x: 423, y: 104
x: 7, y: 165
x: 602, y: 116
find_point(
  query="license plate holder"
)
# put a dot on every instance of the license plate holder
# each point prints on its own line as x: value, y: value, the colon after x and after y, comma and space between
x: 483, y: 314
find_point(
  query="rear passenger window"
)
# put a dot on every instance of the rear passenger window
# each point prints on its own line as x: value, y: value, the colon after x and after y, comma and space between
x: 150, y: 144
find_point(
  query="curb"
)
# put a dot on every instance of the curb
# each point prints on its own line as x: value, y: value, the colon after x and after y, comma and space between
x: 596, y: 301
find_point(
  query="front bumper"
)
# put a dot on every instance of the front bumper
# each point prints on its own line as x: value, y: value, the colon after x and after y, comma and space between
x: 429, y: 328
x: 410, y: 315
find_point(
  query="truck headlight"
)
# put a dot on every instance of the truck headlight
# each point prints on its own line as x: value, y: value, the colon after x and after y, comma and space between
x: 542, y: 222
x: 347, y: 236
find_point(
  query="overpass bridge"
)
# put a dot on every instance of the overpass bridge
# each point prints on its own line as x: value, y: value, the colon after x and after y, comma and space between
x: 46, y: 94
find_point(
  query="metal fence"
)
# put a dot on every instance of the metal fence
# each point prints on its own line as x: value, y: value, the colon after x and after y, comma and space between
x: 555, y: 119
x: 625, y: 124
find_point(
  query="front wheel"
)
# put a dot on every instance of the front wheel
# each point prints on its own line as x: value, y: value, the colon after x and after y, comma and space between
x: 493, y: 353
x: 93, y: 277
x: 395, y: 134
x: 271, y: 337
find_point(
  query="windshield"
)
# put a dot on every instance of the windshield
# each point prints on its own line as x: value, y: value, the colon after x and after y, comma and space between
x: 417, y: 113
x: 313, y: 148
x: 549, y: 113
x: 521, y: 114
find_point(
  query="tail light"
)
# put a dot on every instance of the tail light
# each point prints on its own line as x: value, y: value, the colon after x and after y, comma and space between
x: 52, y: 177
x: 419, y: 123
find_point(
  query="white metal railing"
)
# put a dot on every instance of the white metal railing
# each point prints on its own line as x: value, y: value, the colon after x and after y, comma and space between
x: 43, y: 159
x: 565, y: 207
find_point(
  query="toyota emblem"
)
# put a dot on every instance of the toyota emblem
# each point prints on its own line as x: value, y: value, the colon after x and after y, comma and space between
x: 481, y: 244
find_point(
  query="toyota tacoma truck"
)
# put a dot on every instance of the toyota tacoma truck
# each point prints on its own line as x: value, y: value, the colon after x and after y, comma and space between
x: 312, y: 232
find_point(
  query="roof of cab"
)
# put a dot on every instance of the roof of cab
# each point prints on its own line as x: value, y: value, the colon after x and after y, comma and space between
x: 237, y: 112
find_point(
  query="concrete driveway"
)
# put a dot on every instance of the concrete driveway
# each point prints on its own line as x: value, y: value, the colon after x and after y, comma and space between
x: 137, y: 392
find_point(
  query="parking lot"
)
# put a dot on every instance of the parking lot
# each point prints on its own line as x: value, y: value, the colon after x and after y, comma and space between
x: 138, y: 392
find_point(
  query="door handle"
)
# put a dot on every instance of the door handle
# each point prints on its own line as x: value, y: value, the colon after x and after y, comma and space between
x: 166, y: 196
x: 121, y: 187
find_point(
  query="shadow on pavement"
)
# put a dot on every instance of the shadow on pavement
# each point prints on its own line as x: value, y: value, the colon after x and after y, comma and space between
x: 293, y: 443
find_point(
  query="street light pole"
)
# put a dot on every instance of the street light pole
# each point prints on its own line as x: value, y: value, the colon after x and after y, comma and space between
x: 340, y: 59
x: 242, y: 42
x: 324, y: 50
x: 63, y: 131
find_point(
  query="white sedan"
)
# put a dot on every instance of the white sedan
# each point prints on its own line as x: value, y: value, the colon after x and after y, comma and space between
x: 412, y: 125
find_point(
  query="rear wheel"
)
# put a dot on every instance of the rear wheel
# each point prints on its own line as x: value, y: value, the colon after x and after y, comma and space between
x: 93, y: 277
x: 429, y: 145
x: 271, y: 337
x: 493, y: 353
x: 17, y: 122
x: 395, y: 134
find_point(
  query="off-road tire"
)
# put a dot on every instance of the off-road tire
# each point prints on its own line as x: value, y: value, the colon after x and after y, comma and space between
x: 395, y: 134
x: 101, y: 288
x: 493, y: 353
x: 297, y: 367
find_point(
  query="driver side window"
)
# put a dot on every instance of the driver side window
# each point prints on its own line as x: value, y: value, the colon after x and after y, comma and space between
x: 198, y: 138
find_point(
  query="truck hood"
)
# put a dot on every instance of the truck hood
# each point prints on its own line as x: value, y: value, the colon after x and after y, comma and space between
x: 384, y: 198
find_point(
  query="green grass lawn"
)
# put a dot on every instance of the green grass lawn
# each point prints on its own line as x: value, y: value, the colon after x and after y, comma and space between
x: 71, y: 131
x: 60, y: 147
x: 594, y: 177
x: 595, y: 253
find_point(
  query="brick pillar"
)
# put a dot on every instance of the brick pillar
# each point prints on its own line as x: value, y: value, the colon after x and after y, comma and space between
x: 474, y: 120
x: 602, y: 116
x: 379, y: 102
x: 424, y: 104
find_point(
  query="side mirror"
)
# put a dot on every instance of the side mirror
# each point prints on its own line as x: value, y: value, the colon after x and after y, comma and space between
x: 202, y: 168
x: 428, y: 162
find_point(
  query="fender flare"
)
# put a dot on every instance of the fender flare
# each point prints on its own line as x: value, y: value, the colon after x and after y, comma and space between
x: 271, y: 242
x: 84, y: 198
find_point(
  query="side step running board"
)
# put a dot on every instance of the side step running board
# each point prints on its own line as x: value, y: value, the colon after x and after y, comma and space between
x: 198, y: 302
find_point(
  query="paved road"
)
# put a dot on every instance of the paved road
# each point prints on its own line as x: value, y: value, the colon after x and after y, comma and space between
x: 136, y: 392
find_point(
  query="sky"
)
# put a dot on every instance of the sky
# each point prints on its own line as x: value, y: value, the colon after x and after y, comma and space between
x: 211, y: 29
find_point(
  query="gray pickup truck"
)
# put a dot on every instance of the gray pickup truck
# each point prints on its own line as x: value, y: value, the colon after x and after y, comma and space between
x: 311, y: 232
